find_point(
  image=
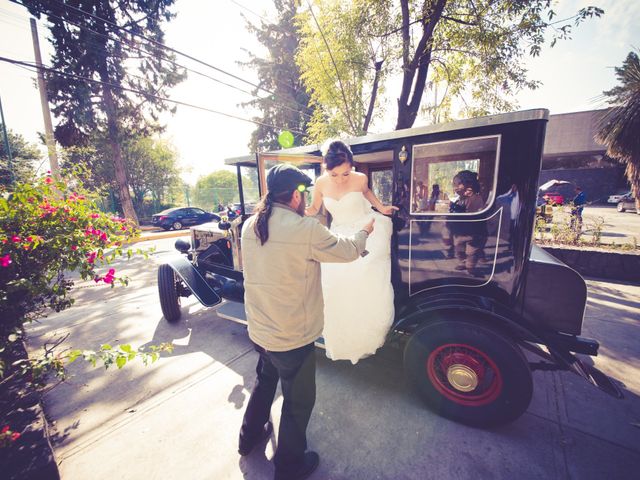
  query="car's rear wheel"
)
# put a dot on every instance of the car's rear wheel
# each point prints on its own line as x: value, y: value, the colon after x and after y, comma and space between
x: 469, y: 373
x: 168, y: 291
x: 176, y: 225
x: 621, y: 207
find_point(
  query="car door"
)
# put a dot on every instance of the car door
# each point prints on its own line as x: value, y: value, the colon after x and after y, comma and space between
x: 198, y: 216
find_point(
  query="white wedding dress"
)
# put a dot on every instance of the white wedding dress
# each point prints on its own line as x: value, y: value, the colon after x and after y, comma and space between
x: 358, y: 296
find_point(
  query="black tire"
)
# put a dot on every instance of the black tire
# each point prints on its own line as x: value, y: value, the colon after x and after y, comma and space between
x: 176, y: 225
x: 168, y: 291
x: 621, y: 207
x: 469, y: 373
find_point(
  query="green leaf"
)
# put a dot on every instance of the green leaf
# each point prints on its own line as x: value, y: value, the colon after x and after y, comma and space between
x: 126, y: 348
x: 73, y: 355
x: 121, y: 361
x: 106, y: 346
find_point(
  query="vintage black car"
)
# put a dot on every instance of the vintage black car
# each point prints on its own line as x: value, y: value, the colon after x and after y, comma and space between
x: 178, y: 218
x: 464, y: 335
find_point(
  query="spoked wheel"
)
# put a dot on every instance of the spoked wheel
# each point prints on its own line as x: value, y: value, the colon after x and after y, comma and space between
x: 168, y: 285
x: 469, y: 373
x: 176, y: 225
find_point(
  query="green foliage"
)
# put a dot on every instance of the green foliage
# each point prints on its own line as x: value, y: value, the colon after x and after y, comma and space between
x: 218, y: 187
x: 620, y: 127
x: 24, y: 155
x: 151, y: 167
x: 341, y: 57
x: 449, y: 51
x: 288, y: 107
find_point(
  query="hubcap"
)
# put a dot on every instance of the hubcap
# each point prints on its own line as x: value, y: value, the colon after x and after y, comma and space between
x: 462, y: 378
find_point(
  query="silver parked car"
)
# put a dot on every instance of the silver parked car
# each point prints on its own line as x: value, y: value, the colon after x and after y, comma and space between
x: 627, y: 203
x: 617, y: 197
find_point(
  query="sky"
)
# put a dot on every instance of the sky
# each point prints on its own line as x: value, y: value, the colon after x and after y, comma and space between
x: 573, y: 73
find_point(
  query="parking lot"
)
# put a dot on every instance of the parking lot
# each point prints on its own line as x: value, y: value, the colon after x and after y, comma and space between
x: 179, y: 418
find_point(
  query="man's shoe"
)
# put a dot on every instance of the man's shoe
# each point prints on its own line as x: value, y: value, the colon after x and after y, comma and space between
x: 245, y: 450
x: 309, y: 465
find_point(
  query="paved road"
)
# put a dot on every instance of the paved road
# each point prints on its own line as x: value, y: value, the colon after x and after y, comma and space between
x: 179, y: 418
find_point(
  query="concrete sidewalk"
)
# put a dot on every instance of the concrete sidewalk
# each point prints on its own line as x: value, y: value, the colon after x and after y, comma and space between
x: 179, y: 418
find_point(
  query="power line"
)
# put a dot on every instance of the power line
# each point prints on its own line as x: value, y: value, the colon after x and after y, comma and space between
x: 250, y: 11
x: 159, y: 45
x: 166, y: 47
x: 139, y: 92
x: 169, y: 60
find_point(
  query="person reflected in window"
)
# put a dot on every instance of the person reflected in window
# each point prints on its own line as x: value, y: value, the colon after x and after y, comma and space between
x: 467, y: 237
x: 436, y: 196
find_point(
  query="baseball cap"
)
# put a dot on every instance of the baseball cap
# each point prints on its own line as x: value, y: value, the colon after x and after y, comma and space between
x: 287, y: 178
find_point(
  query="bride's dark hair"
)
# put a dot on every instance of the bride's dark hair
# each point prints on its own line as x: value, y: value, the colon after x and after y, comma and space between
x: 336, y: 154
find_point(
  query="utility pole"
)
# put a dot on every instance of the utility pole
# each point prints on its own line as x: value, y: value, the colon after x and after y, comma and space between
x: 7, y: 147
x: 46, y: 113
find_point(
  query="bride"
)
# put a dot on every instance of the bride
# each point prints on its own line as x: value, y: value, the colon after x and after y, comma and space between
x: 358, y: 296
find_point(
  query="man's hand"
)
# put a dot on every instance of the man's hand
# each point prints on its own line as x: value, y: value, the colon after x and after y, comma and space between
x: 369, y: 226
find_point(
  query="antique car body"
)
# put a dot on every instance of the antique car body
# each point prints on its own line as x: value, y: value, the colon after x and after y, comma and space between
x: 463, y: 335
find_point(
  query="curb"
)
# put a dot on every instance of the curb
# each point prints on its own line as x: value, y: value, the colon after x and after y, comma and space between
x: 597, y: 263
x: 146, y: 237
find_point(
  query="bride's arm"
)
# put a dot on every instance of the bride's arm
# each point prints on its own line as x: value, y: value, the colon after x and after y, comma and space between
x: 373, y: 200
x: 316, y: 200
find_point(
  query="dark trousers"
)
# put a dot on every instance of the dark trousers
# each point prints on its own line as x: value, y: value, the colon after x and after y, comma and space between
x: 296, y: 370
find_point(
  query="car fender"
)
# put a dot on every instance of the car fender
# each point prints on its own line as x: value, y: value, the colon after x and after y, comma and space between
x: 194, y: 281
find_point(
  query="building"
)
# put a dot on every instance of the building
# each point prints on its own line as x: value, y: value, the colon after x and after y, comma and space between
x: 572, y: 154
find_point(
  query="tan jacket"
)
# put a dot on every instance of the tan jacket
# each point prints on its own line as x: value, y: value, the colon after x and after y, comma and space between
x: 283, y: 293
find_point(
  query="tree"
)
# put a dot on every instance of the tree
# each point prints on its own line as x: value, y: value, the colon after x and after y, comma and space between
x: 24, y: 156
x: 474, y: 47
x: 341, y: 56
x: 287, y: 107
x: 151, y: 166
x: 620, y: 126
x: 102, y: 41
x: 218, y: 187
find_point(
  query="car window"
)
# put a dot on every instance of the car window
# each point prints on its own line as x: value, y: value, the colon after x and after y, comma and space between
x: 197, y: 211
x: 442, y: 170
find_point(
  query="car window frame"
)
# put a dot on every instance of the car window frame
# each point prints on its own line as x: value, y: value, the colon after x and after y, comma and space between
x: 490, y: 200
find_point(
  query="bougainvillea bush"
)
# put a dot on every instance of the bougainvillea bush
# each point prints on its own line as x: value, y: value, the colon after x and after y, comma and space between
x: 49, y: 229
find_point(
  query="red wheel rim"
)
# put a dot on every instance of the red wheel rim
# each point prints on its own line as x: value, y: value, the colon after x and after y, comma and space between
x: 484, y: 378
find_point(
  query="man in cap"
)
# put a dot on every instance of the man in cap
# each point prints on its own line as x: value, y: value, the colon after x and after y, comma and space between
x: 281, y: 254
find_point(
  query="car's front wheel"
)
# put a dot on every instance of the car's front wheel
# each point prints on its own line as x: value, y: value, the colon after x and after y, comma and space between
x: 469, y: 373
x: 177, y: 225
x: 621, y: 207
x: 168, y: 291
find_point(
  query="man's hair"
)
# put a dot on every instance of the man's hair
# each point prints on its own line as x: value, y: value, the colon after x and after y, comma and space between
x: 263, y: 212
x: 469, y: 179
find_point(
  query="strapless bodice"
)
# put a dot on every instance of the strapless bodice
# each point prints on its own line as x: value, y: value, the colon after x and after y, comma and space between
x: 350, y: 208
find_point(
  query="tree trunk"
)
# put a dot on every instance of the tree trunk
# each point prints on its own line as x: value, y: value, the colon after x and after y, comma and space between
x: 116, y: 151
x: 374, y: 94
x: 415, y: 70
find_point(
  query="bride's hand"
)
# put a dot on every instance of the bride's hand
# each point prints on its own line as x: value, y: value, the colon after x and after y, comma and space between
x: 388, y: 209
x: 369, y: 226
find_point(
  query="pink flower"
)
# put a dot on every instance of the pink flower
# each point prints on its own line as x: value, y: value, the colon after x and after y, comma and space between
x: 15, y: 239
x: 73, y: 219
x: 91, y: 257
x: 74, y: 247
x: 5, y: 429
x: 29, y: 238
x: 97, y: 278
x: 5, y: 261
x: 48, y: 180
x: 15, y: 436
x: 123, y: 228
x: 95, y: 215
x: 104, y: 237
